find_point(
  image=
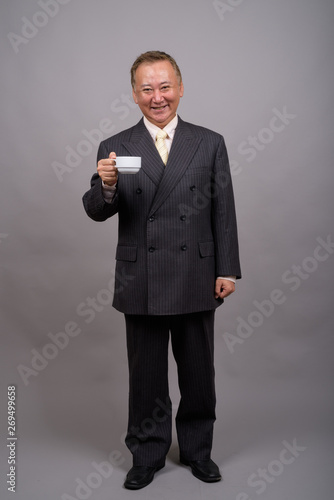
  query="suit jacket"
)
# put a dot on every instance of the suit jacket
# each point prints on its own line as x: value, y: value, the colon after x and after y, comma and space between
x: 177, y: 228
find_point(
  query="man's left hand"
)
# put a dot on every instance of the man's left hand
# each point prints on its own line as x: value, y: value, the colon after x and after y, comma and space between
x: 223, y: 288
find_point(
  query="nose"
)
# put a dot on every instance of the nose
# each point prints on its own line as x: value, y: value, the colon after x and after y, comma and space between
x: 157, y: 96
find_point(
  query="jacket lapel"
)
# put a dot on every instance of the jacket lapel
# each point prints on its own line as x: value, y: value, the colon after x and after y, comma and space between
x: 141, y: 144
x: 184, y: 146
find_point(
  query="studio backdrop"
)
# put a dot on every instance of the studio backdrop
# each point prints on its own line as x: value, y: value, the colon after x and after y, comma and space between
x: 261, y: 74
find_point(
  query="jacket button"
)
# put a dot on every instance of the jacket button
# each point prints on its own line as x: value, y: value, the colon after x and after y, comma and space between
x: 139, y: 191
x: 152, y: 218
x: 192, y: 188
x: 151, y: 249
x: 183, y: 217
x: 184, y: 248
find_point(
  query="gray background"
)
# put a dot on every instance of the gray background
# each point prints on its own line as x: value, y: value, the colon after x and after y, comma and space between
x: 239, y: 63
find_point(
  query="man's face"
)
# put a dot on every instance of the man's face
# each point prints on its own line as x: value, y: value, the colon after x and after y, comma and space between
x: 157, y: 92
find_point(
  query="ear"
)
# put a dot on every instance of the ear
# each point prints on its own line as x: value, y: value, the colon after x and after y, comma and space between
x: 181, y: 89
x: 134, y: 96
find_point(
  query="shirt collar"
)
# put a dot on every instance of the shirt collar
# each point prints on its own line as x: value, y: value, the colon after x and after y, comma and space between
x: 169, y: 129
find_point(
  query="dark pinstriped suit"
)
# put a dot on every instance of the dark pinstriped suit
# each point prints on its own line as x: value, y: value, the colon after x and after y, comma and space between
x: 177, y: 233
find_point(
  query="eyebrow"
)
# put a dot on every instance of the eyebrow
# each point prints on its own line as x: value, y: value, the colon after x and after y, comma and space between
x: 149, y: 85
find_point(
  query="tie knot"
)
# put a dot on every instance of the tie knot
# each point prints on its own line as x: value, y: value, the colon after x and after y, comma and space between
x: 161, y: 134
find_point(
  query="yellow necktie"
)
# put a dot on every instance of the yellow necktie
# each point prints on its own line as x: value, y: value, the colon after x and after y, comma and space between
x: 161, y: 145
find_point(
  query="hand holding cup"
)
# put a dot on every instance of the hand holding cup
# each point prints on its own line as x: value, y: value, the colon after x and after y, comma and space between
x: 107, y: 170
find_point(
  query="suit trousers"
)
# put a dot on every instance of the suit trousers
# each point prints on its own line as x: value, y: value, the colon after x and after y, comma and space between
x: 149, y: 433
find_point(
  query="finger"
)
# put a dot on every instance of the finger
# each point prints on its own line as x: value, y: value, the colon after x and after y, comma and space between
x: 103, y: 169
x: 217, y: 289
x: 105, y: 163
x: 109, y: 175
x: 112, y: 156
x: 108, y: 169
x: 224, y: 288
x: 227, y: 290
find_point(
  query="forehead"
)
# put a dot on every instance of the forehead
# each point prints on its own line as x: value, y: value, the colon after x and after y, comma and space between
x: 155, y: 72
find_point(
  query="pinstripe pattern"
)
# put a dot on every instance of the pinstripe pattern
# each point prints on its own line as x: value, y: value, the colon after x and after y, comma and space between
x: 177, y: 233
x: 177, y: 225
x: 150, y: 421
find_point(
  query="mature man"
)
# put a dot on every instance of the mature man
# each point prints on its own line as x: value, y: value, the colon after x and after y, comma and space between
x: 177, y: 259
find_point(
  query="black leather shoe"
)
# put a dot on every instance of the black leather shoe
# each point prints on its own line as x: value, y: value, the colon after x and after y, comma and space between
x: 140, y: 476
x: 205, y: 470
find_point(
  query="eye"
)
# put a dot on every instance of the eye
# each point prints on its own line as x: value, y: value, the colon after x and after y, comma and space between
x: 165, y: 87
x: 147, y: 90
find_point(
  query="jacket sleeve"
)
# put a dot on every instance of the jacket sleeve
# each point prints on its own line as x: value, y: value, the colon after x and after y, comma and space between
x: 224, y: 222
x: 95, y: 205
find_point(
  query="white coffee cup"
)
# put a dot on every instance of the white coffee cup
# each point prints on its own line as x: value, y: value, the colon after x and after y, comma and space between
x: 128, y: 164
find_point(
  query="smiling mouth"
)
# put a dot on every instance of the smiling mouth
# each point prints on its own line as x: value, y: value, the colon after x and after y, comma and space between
x: 158, y: 108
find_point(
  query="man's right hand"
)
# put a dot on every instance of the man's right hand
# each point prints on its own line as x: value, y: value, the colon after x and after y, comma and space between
x: 107, y: 170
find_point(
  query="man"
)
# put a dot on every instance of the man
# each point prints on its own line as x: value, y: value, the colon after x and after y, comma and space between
x: 177, y: 259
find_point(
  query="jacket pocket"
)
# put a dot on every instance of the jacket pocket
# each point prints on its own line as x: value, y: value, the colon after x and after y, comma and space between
x: 127, y: 253
x: 206, y: 248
